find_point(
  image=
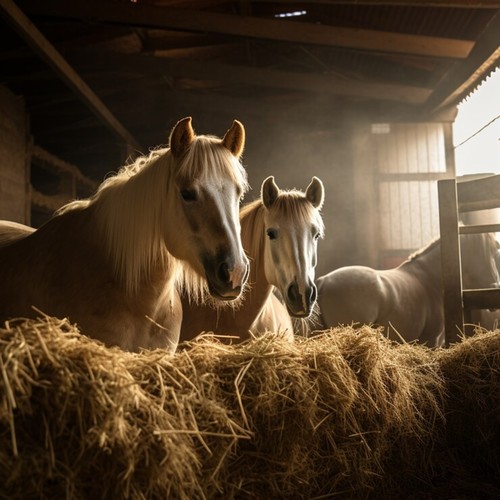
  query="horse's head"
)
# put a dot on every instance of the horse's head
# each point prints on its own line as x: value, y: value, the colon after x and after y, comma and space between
x: 209, y: 182
x: 479, y: 256
x: 293, y: 225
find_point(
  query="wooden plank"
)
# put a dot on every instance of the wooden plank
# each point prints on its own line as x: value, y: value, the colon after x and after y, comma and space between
x: 412, y: 177
x: 455, y: 4
x: 243, y: 75
x: 450, y: 260
x: 47, y: 202
x: 484, y: 298
x: 479, y: 228
x: 46, y: 51
x: 48, y: 160
x: 479, y: 194
x: 150, y: 16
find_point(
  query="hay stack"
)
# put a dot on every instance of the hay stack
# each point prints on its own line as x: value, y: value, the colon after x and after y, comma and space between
x: 471, y: 370
x: 345, y: 413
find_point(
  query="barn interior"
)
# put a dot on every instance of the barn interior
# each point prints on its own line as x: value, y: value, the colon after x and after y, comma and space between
x: 362, y: 94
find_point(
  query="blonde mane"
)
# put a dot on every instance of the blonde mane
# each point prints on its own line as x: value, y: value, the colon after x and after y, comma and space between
x: 424, y: 250
x: 252, y: 233
x: 488, y: 244
x: 131, y: 209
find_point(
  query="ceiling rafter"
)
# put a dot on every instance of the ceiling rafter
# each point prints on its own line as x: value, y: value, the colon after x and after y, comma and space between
x: 264, y: 77
x: 455, y: 4
x: 460, y: 79
x: 151, y: 16
x: 54, y: 59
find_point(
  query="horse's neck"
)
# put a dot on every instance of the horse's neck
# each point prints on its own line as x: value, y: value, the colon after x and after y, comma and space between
x: 426, y: 265
x: 131, y: 226
x: 253, y: 241
x: 86, y: 226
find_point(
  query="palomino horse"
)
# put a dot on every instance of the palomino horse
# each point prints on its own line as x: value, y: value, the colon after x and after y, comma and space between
x: 279, y: 233
x: 407, y: 300
x: 114, y: 263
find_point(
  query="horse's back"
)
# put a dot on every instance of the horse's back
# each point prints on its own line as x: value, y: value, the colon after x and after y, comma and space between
x: 19, y: 281
x: 393, y: 298
x: 61, y: 270
x: 13, y: 231
x: 349, y: 294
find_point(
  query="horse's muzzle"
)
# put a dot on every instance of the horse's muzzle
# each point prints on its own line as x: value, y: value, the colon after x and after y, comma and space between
x: 298, y: 305
x: 226, y: 280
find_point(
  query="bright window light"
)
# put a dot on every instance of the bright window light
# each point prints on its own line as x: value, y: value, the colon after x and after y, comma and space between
x: 381, y: 128
x: 295, y: 13
x: 476, y: 130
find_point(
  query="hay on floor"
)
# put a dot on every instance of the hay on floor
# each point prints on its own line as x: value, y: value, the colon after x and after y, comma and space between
x: 347, y: 413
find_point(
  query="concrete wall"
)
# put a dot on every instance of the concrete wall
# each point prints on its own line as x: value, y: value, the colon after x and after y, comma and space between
x: 14, y: 176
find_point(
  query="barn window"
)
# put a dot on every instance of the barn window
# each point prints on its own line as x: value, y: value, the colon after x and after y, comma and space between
x: 409, y: 158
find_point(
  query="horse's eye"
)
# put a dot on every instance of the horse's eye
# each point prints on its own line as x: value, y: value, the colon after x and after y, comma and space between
x: 316, y: 236
x: 188, y: 195
x: 272, y: 233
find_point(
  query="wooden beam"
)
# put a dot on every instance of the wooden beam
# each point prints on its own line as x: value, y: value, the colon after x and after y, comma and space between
x: 150, y: 16
x: 243, y: 75
x: 455, y: 4
x: 47, y: 202
x: 35, y: 39
x: 463, y: 77
x: 51, y: 162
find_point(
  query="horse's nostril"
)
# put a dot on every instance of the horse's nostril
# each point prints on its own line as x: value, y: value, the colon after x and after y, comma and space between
x: 223, y: 273
x: 293, y: 293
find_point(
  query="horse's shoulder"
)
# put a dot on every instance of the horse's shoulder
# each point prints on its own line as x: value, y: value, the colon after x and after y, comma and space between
x: 350, y: 277
x: 68, y: 227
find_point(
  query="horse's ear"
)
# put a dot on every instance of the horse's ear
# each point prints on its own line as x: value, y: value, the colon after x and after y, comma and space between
x: 181, y: 137
x: 269, y: 192
x: 315, y: 193
x: 234, y: 140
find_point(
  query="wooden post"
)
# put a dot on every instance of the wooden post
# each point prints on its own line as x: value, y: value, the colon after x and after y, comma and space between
x: 450, y: 260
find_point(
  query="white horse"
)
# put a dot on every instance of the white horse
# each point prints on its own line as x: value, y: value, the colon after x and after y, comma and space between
x: 407, y: 301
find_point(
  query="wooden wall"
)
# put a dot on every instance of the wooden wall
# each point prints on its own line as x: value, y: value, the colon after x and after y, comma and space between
x: 14, y: 171
x: 380, y: 182
x: 396, y: 169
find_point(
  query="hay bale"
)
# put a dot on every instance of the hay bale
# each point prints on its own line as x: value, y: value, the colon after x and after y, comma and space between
x: 347, y: 413
x: 75, y: 424
x: 471, y: 370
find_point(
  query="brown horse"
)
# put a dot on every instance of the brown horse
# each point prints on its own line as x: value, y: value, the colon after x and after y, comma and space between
x: 279, y: 233
x: 408, y: 300
x: 114, y: 263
